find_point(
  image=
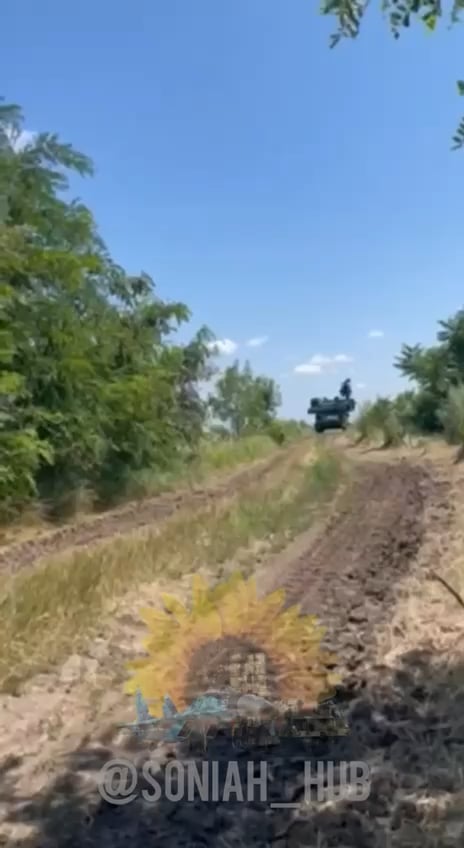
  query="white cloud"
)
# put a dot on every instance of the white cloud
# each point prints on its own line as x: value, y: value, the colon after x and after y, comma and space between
x: 342, y: 357
x: 308, y: 368
x: 376, y: 334
x: 319, y: 359
x: 319, y: 362
x: 258, y: 341
x: 360, y: 385
x: 20, y: 140
x: 223, y: 346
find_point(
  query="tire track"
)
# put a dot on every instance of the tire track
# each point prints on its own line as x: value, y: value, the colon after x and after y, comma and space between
x: 346, y: 576
x: 129, y: 518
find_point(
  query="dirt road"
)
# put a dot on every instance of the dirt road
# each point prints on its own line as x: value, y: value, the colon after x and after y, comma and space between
x: 348, y: 573
x: 129, y: 518
x: 395, y: 518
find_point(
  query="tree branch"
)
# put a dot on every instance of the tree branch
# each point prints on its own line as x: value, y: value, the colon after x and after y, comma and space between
x: 453, y: 592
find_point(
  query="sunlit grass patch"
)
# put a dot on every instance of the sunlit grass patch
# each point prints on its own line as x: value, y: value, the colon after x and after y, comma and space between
x: 52, y: 611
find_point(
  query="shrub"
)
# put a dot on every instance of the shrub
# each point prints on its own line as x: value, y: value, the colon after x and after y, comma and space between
x: 363, y: 424
x: 381, y: 419
x: 286, y: 430
x: 452, y: 416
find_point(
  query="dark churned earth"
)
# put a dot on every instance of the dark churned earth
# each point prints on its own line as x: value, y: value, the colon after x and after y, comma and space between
x: 400, y: 720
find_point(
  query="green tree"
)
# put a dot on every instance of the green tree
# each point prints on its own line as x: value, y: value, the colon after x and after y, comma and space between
x: 92, y: 389
x: 400, y: 14
x: 435, y: 370
x: 244, y: 402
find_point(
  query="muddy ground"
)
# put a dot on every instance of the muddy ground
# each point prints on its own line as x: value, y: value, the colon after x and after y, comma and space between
x: 347, y: 577
x: 127, y: 519
x: 405, y: 720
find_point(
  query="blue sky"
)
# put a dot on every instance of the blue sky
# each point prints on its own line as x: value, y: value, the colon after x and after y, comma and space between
x: 279, y: 188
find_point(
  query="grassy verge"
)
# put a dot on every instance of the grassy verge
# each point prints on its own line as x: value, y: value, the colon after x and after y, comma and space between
x: 51, y: 612
x: 381, y: 422
x: 215, y: 457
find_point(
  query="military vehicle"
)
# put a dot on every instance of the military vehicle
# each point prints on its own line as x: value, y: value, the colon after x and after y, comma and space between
x: 331, y: 413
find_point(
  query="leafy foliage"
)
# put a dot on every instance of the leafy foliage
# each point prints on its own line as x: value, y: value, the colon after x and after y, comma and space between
x: 381, y: 418
x: 436, y: 405
x: 243, y: 402
x: 436, y: 371
x: 400, y: 14
x: 94, y: 392
x: 452, y: 415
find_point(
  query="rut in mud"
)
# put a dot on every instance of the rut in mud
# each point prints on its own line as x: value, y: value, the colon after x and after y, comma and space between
x: 127, y: 519
x: 347, y: 577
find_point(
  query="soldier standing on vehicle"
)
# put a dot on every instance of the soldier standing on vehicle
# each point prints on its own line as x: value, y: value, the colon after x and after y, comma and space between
x: 345, y: 389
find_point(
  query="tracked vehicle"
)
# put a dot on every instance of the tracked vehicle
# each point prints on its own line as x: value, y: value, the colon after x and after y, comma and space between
x: 331, y: 413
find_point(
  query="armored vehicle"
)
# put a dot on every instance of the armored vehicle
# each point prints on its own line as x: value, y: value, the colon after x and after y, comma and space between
x: 331, y: 413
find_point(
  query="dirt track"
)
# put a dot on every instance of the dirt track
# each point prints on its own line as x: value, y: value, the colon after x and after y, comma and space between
x: 127, y: 519
x: 346, y: 574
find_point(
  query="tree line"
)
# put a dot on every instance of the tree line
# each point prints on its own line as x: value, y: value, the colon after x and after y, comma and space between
x: 93, y: 386
x: 436, y: 403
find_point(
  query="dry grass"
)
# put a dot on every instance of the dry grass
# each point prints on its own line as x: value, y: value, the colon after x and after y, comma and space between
x: 215, y: 459
x: 421, y: 650
x: 52, y: 611
x: 227, y: 454
x: 425, y: 657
